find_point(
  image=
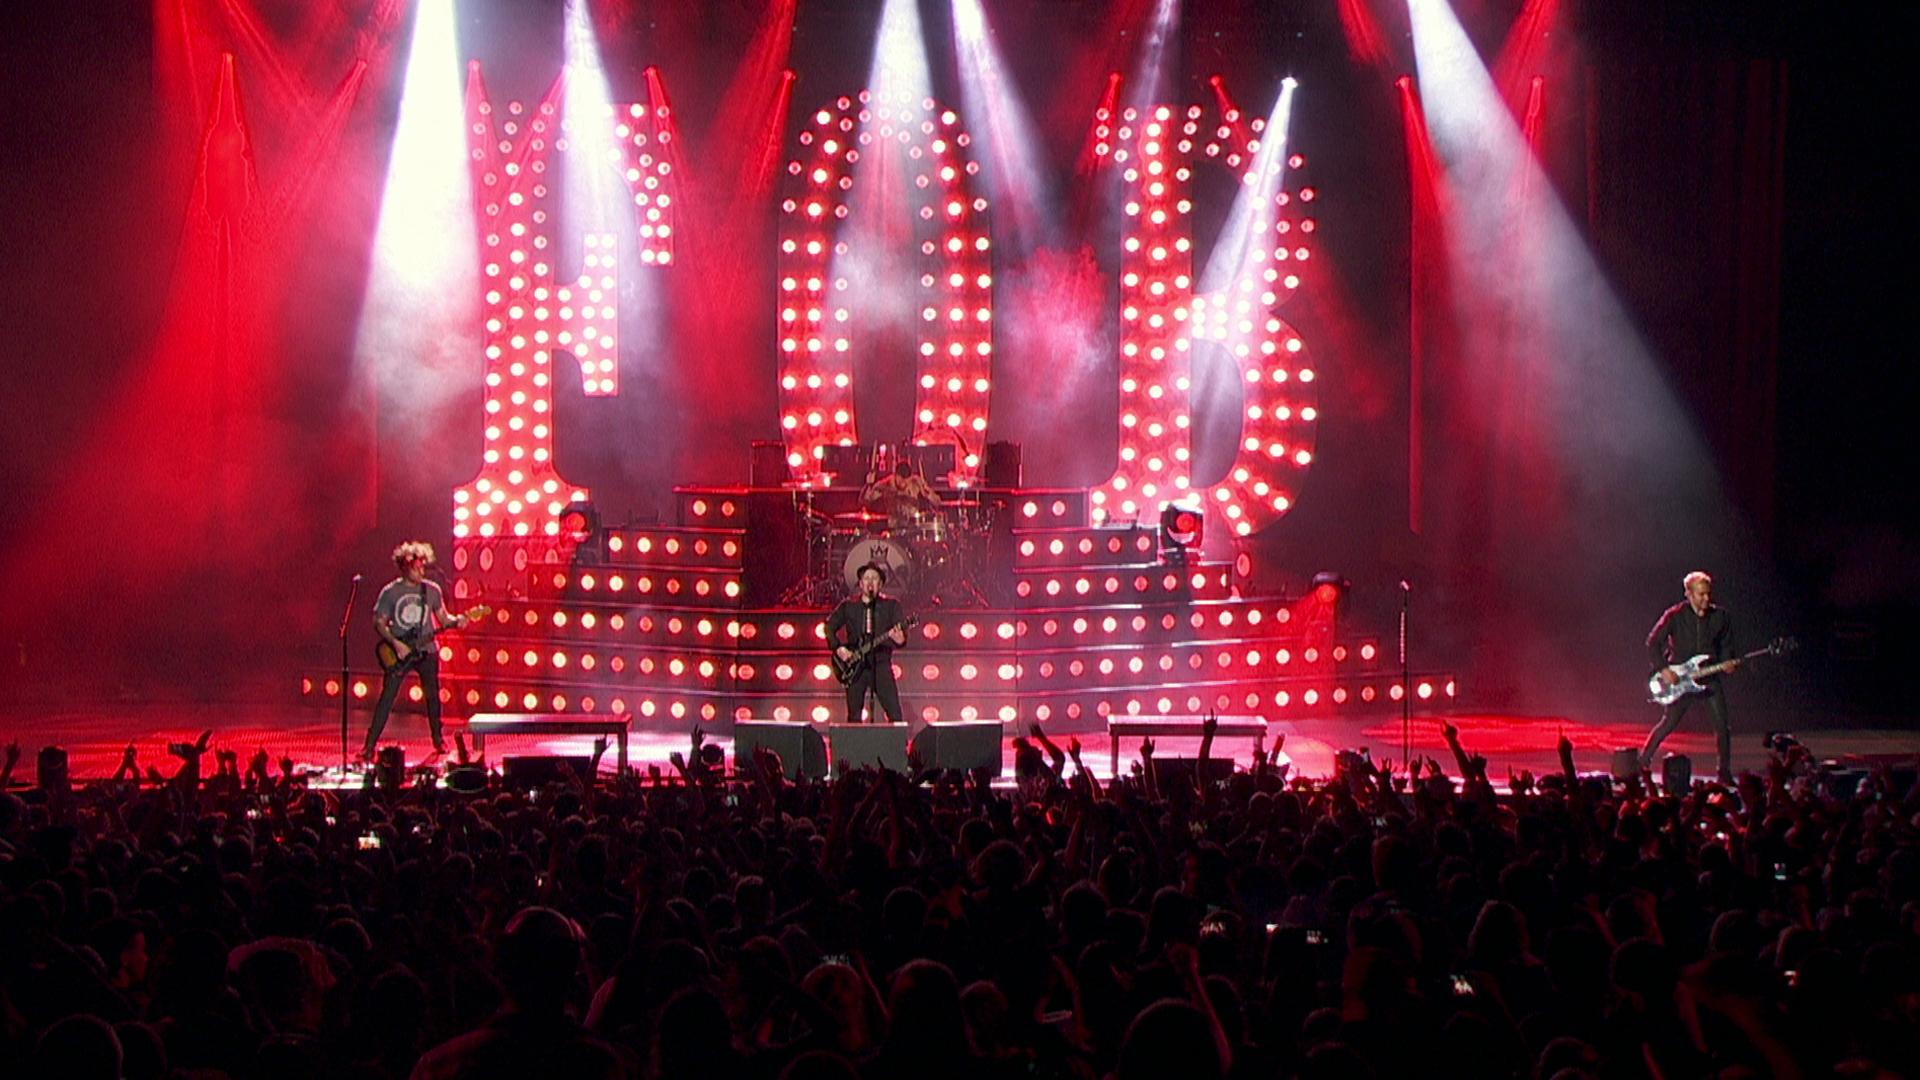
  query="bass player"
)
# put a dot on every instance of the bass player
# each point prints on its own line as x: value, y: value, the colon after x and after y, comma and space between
x: 1693, y: 627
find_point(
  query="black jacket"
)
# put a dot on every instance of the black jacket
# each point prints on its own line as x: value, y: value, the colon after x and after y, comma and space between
x: 1680, y: 635
x: 850, y: 618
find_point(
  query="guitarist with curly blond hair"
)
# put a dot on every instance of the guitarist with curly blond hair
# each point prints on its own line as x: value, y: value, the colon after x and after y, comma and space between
x: 407, y: 614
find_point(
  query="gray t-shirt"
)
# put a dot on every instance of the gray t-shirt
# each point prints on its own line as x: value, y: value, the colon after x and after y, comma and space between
x: 410, y: 606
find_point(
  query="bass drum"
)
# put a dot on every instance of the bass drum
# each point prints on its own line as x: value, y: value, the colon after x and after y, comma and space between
x: 885, y: 552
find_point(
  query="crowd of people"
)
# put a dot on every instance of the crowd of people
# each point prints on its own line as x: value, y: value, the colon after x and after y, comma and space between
x: 696, y: 922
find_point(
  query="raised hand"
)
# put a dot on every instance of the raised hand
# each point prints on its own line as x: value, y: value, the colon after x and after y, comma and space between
x: 1146, y: 747
x: 599, y: 748
x: 1210, y: 725
x: 1073, y: 748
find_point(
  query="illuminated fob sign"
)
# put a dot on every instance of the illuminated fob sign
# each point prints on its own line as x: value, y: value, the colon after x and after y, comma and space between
x: 1163, y: 317
x: 954, y: 291
x: 531, y: 319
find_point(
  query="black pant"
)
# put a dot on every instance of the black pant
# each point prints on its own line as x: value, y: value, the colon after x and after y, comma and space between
x: 429, y: 668
x: 1716, y: 701
x: 876, y: 675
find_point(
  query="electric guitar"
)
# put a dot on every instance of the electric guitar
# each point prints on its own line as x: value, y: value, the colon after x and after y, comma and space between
x: 1687, y: 676
x: 847, y: 670
x: 390, y: 659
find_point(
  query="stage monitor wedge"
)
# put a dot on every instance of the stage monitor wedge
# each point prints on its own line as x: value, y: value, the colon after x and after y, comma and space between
x: 858, y: 746
x: 966, y: 745
x: 803, y: 753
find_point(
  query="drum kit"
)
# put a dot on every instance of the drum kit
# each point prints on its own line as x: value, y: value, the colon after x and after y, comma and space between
x: 932, y: 555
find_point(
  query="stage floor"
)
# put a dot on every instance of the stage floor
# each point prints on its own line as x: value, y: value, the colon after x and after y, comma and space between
x: 94, y: 738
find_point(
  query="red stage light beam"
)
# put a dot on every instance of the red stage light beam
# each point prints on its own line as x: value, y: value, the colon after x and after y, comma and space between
x: 1364, y: 41
x: 290, y: 94
x: 1522, y: 53
x: 1429, y: 303
x: 743, y: 170
x: 1221, y: 97
x: 1530, y: 128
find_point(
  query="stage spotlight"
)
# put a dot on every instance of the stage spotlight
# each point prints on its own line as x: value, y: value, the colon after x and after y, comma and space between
x: 1329, y: 587
x: 1020, y: 183
x: 1181, y: 527
x: 580, y: 526
x: 1159, y: 45
x: 595, y: 199
x: 1243, y: 567
x: 580, y: 522
x: 417, y: 339
x: 899, y: 72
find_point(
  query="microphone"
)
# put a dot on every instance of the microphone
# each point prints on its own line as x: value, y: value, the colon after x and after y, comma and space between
x: 1405, y: 585
x: 356, y: 578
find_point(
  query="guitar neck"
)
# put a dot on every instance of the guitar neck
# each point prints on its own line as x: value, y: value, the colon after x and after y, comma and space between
x: 1715, y: 669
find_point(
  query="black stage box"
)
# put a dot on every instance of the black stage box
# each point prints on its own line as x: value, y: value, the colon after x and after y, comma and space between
x: 856, y: 746
x: 803, y: 753
x: 965, y: 745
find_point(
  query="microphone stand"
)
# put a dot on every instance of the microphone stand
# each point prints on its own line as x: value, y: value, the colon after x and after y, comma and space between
x: 1406, y: 681
x: 346, y: 617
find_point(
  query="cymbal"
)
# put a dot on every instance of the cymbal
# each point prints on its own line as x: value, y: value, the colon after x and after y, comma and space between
x: 860, y: 517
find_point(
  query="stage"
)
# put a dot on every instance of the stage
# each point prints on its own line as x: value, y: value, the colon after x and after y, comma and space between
x: 1234, y: 378
x: 95, y: 737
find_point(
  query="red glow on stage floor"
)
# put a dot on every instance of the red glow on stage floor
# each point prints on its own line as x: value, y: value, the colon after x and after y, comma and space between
x: 94, y: 738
